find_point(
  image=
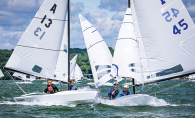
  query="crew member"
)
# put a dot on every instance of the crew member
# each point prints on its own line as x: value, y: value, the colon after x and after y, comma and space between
x: 51, y: 88
x: 113, y: 91
x: 72, y: 86
x: 125, y: 91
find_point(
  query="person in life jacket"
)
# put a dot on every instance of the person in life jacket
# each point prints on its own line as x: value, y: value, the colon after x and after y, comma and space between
x: 51, y: 88
x: 125, y: 91
x: 72, y: 86
x: 113, y: 91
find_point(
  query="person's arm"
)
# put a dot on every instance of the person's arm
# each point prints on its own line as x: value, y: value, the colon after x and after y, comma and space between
x: 114, y: 91
x: 45, y: 91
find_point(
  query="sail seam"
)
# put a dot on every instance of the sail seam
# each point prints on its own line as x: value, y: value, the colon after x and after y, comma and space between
x: 51, y: 19
x: 38, y: 48
x: 95, y: 44
x: 87, y: 28
x: 127, y: 38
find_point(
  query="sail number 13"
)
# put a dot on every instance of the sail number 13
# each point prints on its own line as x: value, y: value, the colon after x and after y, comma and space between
x: 47, y: 25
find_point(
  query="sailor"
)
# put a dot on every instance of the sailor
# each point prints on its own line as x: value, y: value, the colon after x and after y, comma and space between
x: 113, y: 91
x: 125, y: 91
x: 72, y: 86
x: 51, y: 88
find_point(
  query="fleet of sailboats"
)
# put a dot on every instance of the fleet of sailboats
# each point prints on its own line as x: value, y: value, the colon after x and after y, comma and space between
x: 155, y: 43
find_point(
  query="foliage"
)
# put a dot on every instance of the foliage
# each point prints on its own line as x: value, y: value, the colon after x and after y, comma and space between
x: 82, y: 60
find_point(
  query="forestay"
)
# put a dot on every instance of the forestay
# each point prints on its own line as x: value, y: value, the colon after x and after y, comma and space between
x: 167, y: 32
x: 24, y: 77
x: 37, y: 50
x: 60, y: 75
x: 98, y: 52
x: 1, y: 74
x: 76, y: 73
x: 126, y: 60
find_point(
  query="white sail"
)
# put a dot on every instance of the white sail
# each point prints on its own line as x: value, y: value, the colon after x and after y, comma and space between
x: 61, y: 69
x: 98, y: 52
x: 126, y: 61
x: 61, y: 75
x: 24, y: 76
x: 167, y: 32
x: 76, y: 73
x: 37, y: 50
x: 1, y: 74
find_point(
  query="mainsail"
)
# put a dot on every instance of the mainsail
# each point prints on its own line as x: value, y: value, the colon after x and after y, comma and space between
x: 76, y: 73
x: 126, y: 61
x: 98, y: 52
x: 1, y: 74
x: 167, y: 34
x: 37, y: 50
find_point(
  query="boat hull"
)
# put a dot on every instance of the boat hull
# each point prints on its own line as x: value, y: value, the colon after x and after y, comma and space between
x: 105, y: 84
x: 134, y: 99
x: 63, y: 97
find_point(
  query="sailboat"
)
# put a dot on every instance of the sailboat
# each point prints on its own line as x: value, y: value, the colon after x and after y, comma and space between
x: 1, y: 74
x: 26, y: 79
x: 161, y: 49
x: 76, y: 73
x: 37, y: 53
x: 98, y: 52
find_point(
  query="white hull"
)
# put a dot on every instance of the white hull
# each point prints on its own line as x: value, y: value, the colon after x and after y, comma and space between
x: 52, y: 83
x: 133, y: 100
x: 105, y: 84
x: 24, y: 82
x: 63, y: 97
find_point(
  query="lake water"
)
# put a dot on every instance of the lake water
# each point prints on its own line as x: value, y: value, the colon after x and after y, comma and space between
x: 176, y: 102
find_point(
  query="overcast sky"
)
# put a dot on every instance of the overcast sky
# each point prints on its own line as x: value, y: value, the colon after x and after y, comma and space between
x: 106, y: 15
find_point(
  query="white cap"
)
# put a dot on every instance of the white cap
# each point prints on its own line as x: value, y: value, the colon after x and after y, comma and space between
x: 115, y: 83
x: 126, y: 86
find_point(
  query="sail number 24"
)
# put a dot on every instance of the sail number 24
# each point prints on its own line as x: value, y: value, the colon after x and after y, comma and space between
x: 174, y: 13
x: 47, y: 25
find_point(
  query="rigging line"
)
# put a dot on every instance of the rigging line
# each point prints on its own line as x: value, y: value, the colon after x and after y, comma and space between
x: 38, y: 48
x: 15, y: 82
x: 142, y: 39
x: 169, y: 87
x: 51, y: 19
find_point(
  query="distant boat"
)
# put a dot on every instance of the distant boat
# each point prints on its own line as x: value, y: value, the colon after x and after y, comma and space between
x: 76, y: 74
x: 37, y: 53
x: 26, y: 79
x: 1, y: 74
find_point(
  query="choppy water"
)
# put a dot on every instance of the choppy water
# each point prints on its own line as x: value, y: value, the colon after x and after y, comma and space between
x: 177, y: 102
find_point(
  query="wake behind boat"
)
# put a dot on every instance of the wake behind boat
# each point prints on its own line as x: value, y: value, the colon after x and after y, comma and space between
x: 105, y: 84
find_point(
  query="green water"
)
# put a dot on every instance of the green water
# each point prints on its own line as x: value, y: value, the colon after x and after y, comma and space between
x: 176, y: 102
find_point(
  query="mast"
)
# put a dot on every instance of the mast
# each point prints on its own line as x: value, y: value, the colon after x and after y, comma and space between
x: 129, y: 6
x: 68, y: 44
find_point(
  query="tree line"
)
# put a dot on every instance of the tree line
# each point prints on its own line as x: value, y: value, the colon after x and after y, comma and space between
x: 82, y: 61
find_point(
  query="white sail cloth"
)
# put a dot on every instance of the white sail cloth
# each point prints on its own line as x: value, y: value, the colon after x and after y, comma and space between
x: 60, y: 75
x: 1, y: 74
x: 24, y: 77
x: 76, y: 73
x: 167, y: 32
x: 37, y: 50
x: 98, y: 52
x: 126, y: 61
